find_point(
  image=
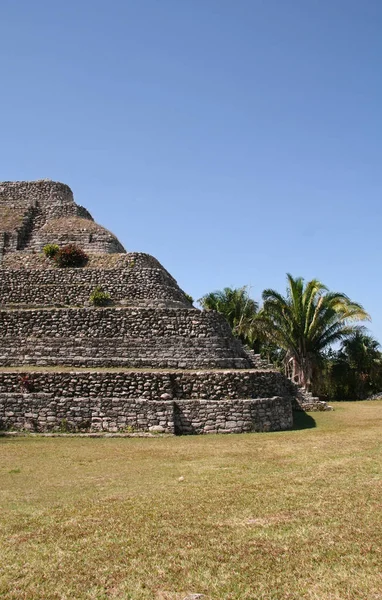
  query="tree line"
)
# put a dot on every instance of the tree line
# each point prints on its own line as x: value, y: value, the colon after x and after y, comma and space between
x: 314, y: 335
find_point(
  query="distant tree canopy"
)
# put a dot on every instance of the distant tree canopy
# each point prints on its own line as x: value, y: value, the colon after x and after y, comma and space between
x: 297, y: 332
x: 238, y: 308
x: 355, y: 370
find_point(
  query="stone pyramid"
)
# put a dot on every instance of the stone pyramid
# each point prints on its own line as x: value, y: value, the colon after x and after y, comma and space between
x: 149, y: 361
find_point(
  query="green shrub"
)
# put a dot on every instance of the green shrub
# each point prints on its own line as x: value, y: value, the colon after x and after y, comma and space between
x: 50, y: 250
x: 189, y: 298
x: 64, y: 426
x: 71, y: 256
x: 99, y: 298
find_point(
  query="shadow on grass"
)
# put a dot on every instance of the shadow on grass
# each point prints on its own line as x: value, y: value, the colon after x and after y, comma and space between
x: 301, y: 420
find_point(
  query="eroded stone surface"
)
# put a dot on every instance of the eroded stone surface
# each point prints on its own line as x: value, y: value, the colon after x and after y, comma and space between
x: 40, y: 412
x: 47, y: 321
x: 35, y: 213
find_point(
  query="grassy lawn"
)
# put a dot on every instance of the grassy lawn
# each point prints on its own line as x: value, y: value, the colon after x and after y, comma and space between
x: 287, y: 515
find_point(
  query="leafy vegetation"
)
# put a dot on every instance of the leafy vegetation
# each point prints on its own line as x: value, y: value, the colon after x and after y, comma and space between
x: 189, y: 298
x: 238, y: 308
x: 50, y: 250
x: 99, y: 298
x: 300, y: 332
x: 354, y: 371
x: 305, y: 322
x: 293, y: 515
x: 70, y: 256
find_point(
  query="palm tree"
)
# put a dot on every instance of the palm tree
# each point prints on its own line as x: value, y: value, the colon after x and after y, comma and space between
x: 305, y: 322
x: 360, y: 354
x: 237, y: 307
x: 355, y: 370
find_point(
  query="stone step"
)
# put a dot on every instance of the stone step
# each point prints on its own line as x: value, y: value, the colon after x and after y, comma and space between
x: 29, y: 279
x: 37, y: 219
x: 41, y: 413
x: 50, y: 276
x: 107, y: 362
x: 114, y: 322
x: 179, y: 338
x: 150, y: 385
x: 19, y: 343
x: 78, y: 294
x: 175, y: 350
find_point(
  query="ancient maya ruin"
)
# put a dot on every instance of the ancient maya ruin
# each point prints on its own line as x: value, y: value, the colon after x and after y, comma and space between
x: 148, y: 362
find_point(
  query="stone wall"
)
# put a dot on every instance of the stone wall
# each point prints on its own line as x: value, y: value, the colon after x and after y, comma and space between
x: 133, y: 278
x: 100, y: 241
x: 238, y: 416
x: 13, y: 239
x: 2, y: 245
x: 181, y: 402
x: 42, y: 202
x: 150, y: 324
x: 175, y: 352
x: 43, y: 412
x: 135, y: 337
x: 106, y: 262
x: 112, y: 323
x: 56, y: 198
x: 150, y: 385
x: 73, y: 286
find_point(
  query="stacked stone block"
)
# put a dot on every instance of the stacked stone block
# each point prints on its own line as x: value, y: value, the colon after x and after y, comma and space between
x: 149, y: 361
x: 40, y: 205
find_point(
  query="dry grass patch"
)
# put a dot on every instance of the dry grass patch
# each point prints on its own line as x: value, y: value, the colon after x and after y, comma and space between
x: 291, y: 515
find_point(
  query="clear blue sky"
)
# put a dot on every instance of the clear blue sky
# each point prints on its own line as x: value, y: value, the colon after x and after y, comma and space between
x: 235, y: 140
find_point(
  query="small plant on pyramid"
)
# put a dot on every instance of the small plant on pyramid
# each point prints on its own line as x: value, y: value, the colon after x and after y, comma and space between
x: 70, y: 256
x: 50, y: 250
x: 99, y: 298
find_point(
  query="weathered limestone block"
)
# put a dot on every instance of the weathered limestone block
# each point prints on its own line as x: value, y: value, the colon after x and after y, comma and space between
x: 158, y: 363
x: 31, y: 412
x: 45, y: 212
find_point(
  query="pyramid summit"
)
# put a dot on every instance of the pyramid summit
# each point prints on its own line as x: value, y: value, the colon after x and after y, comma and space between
x: 35, y: 213
x: 147, y: 361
